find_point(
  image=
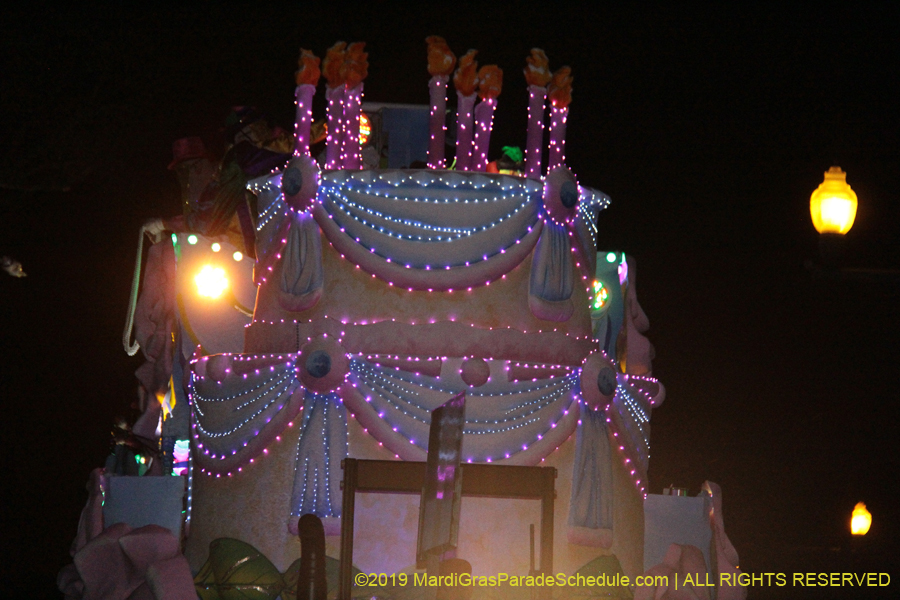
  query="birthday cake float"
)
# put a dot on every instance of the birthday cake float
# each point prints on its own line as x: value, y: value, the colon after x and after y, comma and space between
x: 317, y: 301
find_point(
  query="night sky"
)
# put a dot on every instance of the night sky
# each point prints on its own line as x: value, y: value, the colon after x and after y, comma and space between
x: 708, y: 128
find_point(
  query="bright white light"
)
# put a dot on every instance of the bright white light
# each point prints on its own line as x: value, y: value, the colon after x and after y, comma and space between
x: 216, y: 246
x: 238, y: 256
x: 837, y: 214
x: 211, y: 281
x: 192, y: 239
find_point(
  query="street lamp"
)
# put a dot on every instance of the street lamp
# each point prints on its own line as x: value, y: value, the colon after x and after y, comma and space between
x: 833, y: 204
x: 833, y: 209
x: 861, y: 520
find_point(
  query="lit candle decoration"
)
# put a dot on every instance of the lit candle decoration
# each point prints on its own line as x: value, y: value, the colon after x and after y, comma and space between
x: 354, y: 69
x: 307, y: 78
x: 560, y: 92
x: 464, y: 80
x: 537, y: 75
x: 490, y: 83
x: 441, y: 62
x: 334, y: 94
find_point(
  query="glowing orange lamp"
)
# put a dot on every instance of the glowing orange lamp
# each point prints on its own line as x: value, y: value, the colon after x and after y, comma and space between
x: 861, y: 520
x: 833, y: 204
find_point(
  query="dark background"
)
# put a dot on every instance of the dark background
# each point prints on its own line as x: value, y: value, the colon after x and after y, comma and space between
x: 709, y: 128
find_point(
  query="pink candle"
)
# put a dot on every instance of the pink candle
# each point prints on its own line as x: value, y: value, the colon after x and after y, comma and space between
x: 332, y: 68
x: 560, y: 91
x: 354, y: 69
x: 441, y: 62
x: 307, y: 77
x: 537, y: 75
x: 304, y: 95
x: 484, y: 120
x: 465, y: 79
x: 537, y: 97
x: 464, y: 133
x: 490, y: 83
x: 557, y: 156
x: 437, y: 90
x: 335, y: 97
x: 351, y: 156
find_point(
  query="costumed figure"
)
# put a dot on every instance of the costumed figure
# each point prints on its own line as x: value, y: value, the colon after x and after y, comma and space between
x: 195, y: 169
x: 256, y: 149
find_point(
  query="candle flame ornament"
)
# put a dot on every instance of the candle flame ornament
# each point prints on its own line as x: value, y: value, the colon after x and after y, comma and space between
x: 537, y: 70
x: 334, y: 61
x: 441, y: 60
x: 466, y: 76
x: 309, y: 71
x: 861, y: 520
x: 833, y: 204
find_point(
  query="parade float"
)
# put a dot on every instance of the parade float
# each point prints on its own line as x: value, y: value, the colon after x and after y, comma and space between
x: 325, y: 316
